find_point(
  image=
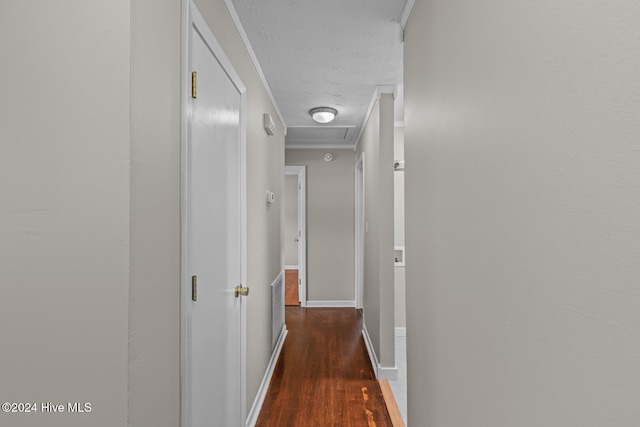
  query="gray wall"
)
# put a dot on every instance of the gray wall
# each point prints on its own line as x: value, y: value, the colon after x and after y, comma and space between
x: 376, y: 143
x: 64, y: 208
x: 398, y: 228
x: 90, y: 213
x: 154, y: 298
x: 154, y: 327
x: 330, y: 222
x: 290, y: 201
x: 523, y: 213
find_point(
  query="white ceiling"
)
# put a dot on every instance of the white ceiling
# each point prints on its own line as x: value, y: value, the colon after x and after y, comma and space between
x: 331, y: 53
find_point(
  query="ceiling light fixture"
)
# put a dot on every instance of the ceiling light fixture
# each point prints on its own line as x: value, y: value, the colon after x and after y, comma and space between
x: 323, y: 114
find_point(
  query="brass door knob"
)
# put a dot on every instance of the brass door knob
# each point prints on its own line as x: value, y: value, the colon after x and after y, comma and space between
x: 241, y: 291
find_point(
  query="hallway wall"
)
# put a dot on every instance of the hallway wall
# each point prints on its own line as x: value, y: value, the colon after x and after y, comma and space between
x: 64, y: 209
x: 330, y: 222
x: 523, y: 213
x: 155, y: 296
x: 376, y: 143
x: 398, y: 230
x: 90, y: 208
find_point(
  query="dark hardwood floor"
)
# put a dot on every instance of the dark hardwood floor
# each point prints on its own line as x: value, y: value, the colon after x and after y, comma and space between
x: 324, y: 375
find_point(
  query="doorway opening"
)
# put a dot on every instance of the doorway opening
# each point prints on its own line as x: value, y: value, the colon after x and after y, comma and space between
x: 295, y: 245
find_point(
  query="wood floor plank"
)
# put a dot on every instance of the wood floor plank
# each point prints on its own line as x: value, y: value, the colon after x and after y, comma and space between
x: 392, y: 405
x: 291, y: 287
x: 324, y: 375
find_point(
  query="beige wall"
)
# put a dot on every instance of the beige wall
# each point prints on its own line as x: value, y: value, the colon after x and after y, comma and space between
x: 376, y: 143
x: 290, y: 201
x: 155, y: 319
x: 398, y: 228
x: 523, y: 213
x: 330, y: 222
x: 154, y: 315
x: 90, y: 213
x: 64, y: 208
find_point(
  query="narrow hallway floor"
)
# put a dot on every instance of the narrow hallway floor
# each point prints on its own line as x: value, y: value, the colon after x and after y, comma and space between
x: 324, y: 376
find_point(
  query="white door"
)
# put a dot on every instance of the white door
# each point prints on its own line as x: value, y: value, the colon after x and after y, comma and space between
x: 214, y: 239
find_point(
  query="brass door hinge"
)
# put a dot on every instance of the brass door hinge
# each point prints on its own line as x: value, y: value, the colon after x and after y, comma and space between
x: 194, y: 82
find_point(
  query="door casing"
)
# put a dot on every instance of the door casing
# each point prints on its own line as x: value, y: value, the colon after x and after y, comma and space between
x: 360, y: 231
x: 301, y: 173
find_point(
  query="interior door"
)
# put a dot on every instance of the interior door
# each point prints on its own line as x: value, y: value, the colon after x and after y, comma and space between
x: 213, y: 239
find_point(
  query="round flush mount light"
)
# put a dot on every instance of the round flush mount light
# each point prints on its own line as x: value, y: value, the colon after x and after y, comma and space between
x: 323, y: 114
x: 328, y: 157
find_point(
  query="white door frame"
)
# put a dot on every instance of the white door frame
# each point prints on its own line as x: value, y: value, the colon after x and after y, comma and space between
x: 192, y: 17
x: 301, y: 173
x: 360, y: 231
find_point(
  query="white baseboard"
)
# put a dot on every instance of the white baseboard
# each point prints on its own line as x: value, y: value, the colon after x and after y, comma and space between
x: 252, y: 418
x: 401, y: 331
x: 387, y: 373
x: 331, y: 303
x: 372, y: 354
x: 382, y: 372
x: 292, y: 267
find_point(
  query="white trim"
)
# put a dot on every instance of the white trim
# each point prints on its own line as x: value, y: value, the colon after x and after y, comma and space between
x: 280, y: 277
x: 359, y: 237
x: 301, y: 173
x: 372, y: 353
x: 184, y: 124
x: 408, y: 7
x: 243, y: 228
x: 191, y: 17
x: 252, y: 417
x: 321, y: 146
x: 203, y: 28
x: 393, y: 89
x: 387, y: 373
x: 277, y: 279
x: 245, y: 40
x: 398, y: 124
x: 349, y: 127
x: 331, y: 303
x: 291, y: 267
x: 401, y: 331
x: 381, y: 372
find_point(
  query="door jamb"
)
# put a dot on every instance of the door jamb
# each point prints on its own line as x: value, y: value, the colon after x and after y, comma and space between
x: 360, y: 231
x: 191, y: 16
x: 301, y: 173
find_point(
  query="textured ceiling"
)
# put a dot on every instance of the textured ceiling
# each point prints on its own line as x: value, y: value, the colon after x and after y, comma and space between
x: 325, y: 53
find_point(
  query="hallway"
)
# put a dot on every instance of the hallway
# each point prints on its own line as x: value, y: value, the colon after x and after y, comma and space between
x: 324, y: 376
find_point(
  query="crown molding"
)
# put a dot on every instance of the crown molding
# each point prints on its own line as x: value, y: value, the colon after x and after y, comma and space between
x: 245, y: 40
x: 319, y: 146
x: 408, y: 7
